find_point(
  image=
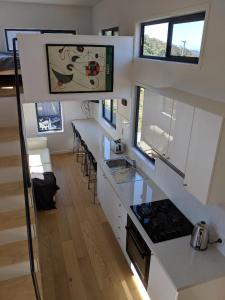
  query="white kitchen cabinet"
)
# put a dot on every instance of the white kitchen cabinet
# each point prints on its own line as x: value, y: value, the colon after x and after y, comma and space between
x: 202, y: 174
x: 180, y: 132
x: 156, y: 122
x: 112, y: 207
x: 159, y: 285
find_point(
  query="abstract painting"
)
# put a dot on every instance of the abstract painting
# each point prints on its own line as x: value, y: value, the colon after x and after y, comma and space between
x: 80, y: 68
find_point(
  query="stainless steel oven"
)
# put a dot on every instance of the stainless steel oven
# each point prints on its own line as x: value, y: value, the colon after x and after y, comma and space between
x: 138, y: 251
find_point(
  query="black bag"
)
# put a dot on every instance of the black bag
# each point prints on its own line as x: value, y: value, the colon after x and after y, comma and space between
x: 44, y: 191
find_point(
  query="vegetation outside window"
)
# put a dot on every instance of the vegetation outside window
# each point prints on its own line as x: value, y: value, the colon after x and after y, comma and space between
x: 173, y: 39
x: 111, y: 31
x: 49, y: 116
x: 109, y: 110
x: 139, y: 142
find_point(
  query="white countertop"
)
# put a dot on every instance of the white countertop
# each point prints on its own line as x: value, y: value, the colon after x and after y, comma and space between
x: 185, y: 266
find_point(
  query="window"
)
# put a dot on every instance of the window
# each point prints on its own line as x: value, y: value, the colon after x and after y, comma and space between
x: 173, y: 39
x: 109, y: 110
x: 49, y: 116
x: 10, y: 34
x: 111, y: 31
x: 143, y: 127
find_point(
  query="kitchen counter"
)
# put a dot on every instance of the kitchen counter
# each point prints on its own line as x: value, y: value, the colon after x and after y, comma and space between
x: 185, y: 266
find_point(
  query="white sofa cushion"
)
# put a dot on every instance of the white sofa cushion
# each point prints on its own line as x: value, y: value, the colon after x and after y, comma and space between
x: 37, y: 143
x: 38, y: 157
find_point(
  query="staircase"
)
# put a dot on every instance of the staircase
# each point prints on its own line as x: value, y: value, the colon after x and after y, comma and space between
x: 15, y: 275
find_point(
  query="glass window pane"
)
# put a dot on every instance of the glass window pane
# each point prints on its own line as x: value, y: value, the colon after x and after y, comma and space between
x: 11, y: 34
x: 187, y: 39
x: 107, y: 109
x: 114, y: 111
x: 108, y: 33
x: 155, y: 39
x: 49, y: 116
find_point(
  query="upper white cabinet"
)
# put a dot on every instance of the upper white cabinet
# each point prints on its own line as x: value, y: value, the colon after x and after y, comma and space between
x: 180, y: 132
x: 191, y: 139
x: 157, y: 112
x: 201, y: 175
x: 166, y: 126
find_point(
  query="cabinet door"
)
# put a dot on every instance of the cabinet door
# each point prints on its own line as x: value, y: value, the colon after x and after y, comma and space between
x: 156, y: 122
x: 204, y: 141
x: 159, y: 285
x: 104, y: 194
x: 181, y: 125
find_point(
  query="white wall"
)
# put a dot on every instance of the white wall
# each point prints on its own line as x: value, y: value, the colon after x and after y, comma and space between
x: 57, y: 142
x: 24, y: 15
x: 207, y: 80
x: 35, y: 72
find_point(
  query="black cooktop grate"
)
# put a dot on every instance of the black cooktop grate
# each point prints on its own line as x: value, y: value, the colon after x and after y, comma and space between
x: 162, y: 220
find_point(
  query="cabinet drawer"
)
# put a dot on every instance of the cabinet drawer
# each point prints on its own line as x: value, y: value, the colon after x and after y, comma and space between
x: 120, y: 212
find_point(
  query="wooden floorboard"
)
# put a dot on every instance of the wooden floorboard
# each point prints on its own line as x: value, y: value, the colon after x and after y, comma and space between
x: 79, y: 257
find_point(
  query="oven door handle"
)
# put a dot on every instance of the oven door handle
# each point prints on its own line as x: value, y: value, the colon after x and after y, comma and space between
x: 137, y: 244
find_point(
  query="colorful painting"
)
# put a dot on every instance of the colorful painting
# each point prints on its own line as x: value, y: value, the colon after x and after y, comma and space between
x: 80, y: 68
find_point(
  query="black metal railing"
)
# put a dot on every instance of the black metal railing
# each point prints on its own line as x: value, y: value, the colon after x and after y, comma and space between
x: 26, y: 174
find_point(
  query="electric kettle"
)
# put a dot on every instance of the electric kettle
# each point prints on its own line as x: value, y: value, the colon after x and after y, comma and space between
x: 200, y: 236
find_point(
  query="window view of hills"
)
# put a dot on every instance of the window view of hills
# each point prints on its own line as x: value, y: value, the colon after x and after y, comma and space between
x: 156, y: 47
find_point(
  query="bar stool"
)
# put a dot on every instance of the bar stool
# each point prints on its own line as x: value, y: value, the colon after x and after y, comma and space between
x: 80, y: 147
x: 74, y: 137
x: 92, y: 173
x: 84, y: 161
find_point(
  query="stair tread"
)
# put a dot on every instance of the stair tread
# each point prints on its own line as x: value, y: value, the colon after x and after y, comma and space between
x: 20, y: 288
x: 13, y: 235
x: 10, y: 161
x: 14, y: 219
x: 13, y: 253
x: 8, y: 134
x: 14, y: 270
x: 11, y: 188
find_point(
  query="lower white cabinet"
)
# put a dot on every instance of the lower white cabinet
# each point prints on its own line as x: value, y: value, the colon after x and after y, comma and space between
x: 159, y: 285
x: 113, y: 208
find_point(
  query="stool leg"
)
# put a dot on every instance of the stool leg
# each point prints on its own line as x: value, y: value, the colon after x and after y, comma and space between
x: 95, y: 184
x: 89, y: 177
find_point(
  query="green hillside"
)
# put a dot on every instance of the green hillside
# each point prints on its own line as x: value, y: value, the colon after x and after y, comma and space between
x: 155, y: 47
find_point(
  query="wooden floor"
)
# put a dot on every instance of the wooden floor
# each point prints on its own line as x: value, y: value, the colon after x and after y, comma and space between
x: 80, y: 258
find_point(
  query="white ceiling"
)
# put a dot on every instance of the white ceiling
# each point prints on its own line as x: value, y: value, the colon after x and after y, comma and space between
x: 59, y: 2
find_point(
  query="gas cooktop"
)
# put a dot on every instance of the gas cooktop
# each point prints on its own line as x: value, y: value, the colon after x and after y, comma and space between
x: 162, y: 220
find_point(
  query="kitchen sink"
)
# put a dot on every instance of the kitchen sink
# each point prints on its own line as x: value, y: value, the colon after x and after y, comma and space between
x: 124, y: 170
x: 120, y: 163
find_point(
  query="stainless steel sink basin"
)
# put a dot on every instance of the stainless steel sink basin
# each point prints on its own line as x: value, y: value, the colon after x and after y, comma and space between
x: 120, y: 163
x: 124, y: 170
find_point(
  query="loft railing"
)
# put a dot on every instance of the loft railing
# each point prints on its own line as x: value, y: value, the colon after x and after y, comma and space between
x: 26, y: 174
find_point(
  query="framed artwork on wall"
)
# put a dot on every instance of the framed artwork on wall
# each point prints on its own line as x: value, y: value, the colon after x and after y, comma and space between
x: 80, y: 68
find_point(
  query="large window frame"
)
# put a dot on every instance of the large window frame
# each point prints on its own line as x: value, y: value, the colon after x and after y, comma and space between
x: 113, y: 30
x: 47, y: 131
x: 109, y: 120
x: 200, y: 16
x: 41, y: 31
x: 138, y: 93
